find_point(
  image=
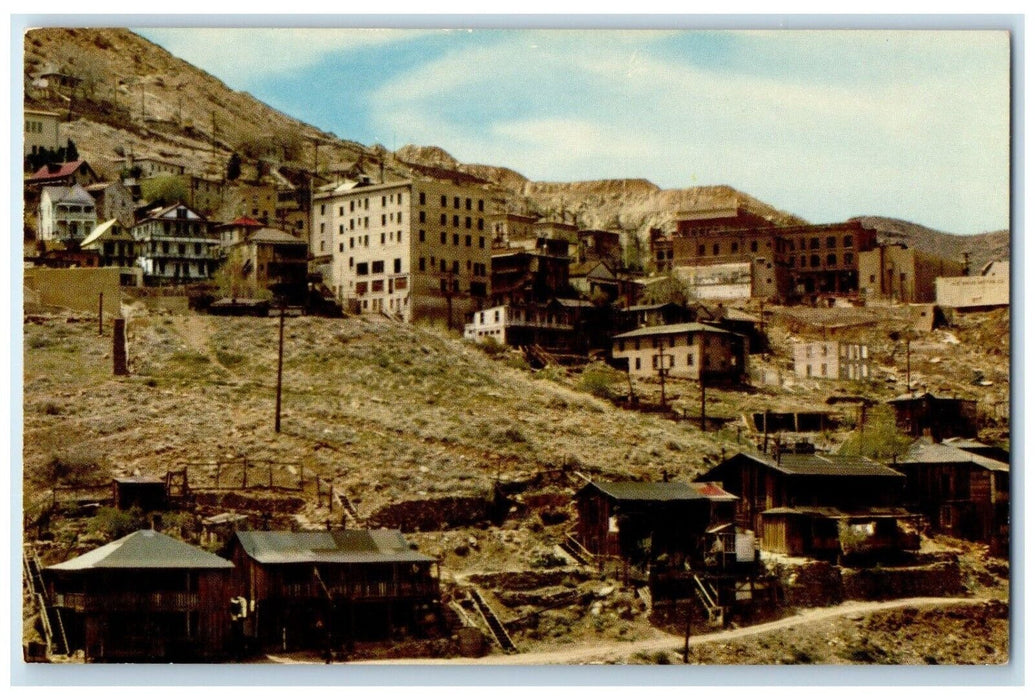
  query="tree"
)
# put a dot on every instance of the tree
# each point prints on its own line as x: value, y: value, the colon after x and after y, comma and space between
x: 877, y: 436
x: 167, y: 188
x: 233, y: 167
x: 669, y: 290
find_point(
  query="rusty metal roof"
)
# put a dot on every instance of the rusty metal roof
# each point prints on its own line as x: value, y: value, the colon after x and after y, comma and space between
x: 663, y: 491
x: 924, y: 451
x: 328, y: 546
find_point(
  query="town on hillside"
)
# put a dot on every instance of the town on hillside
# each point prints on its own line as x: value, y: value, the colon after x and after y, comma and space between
x: 384, y: 409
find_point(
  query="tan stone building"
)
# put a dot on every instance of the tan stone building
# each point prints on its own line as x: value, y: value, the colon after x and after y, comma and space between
x: 419, y: 249
x: 903, y: 274
x: 989, y: 289
x: 688, y: 350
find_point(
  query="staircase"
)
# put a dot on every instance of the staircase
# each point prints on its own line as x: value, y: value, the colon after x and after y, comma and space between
x: 579, y: 553
x: 709, y: 597
x: 53, y: 627
x: 499, y: 632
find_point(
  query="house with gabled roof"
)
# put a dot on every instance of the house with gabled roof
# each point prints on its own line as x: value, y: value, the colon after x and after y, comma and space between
x: 76, y: 172
x: 819, y: 505
x: 305, y: 589
x: 66, y: 214
x: 961, y: 492
x: 145, y: 597
x: 175, y: 245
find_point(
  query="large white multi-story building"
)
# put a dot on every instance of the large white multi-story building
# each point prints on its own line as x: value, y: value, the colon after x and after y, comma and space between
x: 66, y: 214
x: 411, y: 248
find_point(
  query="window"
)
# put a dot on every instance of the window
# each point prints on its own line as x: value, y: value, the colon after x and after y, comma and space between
x: 832, y: 259
x: 734, y: 247
x: 848, y: 241
x: 382, y: 239
x: 420, y: 264
x: 362, y: 268
x: 637, y: 363
x: 754, y: 246
x: 442, y: 219
x: 481, y: 240
x: 420, y: 235
x: 467, y: 204
x: 421, y: 217
x: 849, y: 259
x: 384, y: 201
x: 456, y: 220
x: 361, y: 288
x: 352, y: 206
x: 700, y: 249
x: 456, y: 202
x: 814, y: 261
x: 442, y: 265
x: 377, y: 286
x: 467, y: 241
x: 420, y: 198
x: 397, y: 265
x: 341, y: 210
x: 384, y: 220
x: 442, y: 238
x: 481, y: 224
x: 377, y: 267
x: 689, y: 359
x: 341, y: 247
x: 814, y: 243
x: 715, y: 249
x: 456, y: 239
x: 467, y: 222
x: 443, y: 200
x: 831, y: 241
x: 322, y: 210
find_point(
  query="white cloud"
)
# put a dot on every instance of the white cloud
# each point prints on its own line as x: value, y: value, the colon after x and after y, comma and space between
x: 913, y: 125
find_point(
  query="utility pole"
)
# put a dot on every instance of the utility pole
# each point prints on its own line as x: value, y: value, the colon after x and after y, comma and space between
x: 909, y: 385
x: 449, y: 300
x: 280, y: 364
x: 662, y: 370
x: 702, y: 401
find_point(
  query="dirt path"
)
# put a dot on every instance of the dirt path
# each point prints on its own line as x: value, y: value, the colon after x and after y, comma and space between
x: 588, y: 653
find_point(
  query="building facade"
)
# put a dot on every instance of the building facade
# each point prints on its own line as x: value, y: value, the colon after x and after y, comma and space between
x: 903, y: 274
x: 416, y: 249
x: 688, y: 350
x: 176, y: 245
x: 832, y: 360
x: 989, y: 289
x: 41, y: 132
x: 66, y: 214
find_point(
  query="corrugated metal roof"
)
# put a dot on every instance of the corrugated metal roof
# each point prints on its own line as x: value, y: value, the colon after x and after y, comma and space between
x: 145, y: 549
x: 661, y: 491
x: 926, y: 452
x: 334, y: 546
x: 829, y: 512
x: 98, y: 232
x: 272, y: 235
x: 822, y: 465
x: 673, y: 329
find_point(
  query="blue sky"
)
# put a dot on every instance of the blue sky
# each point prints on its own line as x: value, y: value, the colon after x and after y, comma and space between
x: 823, y: 124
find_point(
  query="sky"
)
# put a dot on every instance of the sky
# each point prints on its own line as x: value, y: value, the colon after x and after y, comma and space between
x: 826, y: 125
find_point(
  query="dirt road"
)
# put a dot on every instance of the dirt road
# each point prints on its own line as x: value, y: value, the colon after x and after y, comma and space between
x: 595, y: 652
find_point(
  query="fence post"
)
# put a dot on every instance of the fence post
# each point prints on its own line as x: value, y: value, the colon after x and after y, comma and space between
x: 244, y: 472
x: 218, y: 463
x: 271, y: 475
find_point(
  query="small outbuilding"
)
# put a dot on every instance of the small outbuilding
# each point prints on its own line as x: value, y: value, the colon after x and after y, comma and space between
x: 144, y: 492
x: 935, y: 416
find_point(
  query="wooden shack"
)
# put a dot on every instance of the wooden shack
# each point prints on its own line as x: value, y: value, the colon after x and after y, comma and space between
x: 802, y: 503
x: 145, y: 597
x: 962, y: 493
x: 640, y: 521
x: 936, y: 417
x: 144, y: 492
x: 307, y: 590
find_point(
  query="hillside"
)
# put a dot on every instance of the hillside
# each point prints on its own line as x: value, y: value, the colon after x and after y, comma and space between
x: 137, y: 97
x: 982, y: 248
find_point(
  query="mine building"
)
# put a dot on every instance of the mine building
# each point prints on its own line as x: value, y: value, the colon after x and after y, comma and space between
x: 146, y: 597
x: 961, y: 493
x: 307, y: 590
x: 144, y: 492
x: 689, y: 350
x: 819, y: 505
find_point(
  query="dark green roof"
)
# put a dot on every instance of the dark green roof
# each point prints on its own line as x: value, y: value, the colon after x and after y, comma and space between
x: 145, y: 549
x: 814, y: 465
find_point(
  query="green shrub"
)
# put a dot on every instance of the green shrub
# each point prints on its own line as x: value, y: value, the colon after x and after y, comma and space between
x: 114, y: 523
x: 597, y: 380
x: 74, y: 468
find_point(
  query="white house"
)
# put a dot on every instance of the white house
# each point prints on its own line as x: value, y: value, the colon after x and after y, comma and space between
x: 66, y: 214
